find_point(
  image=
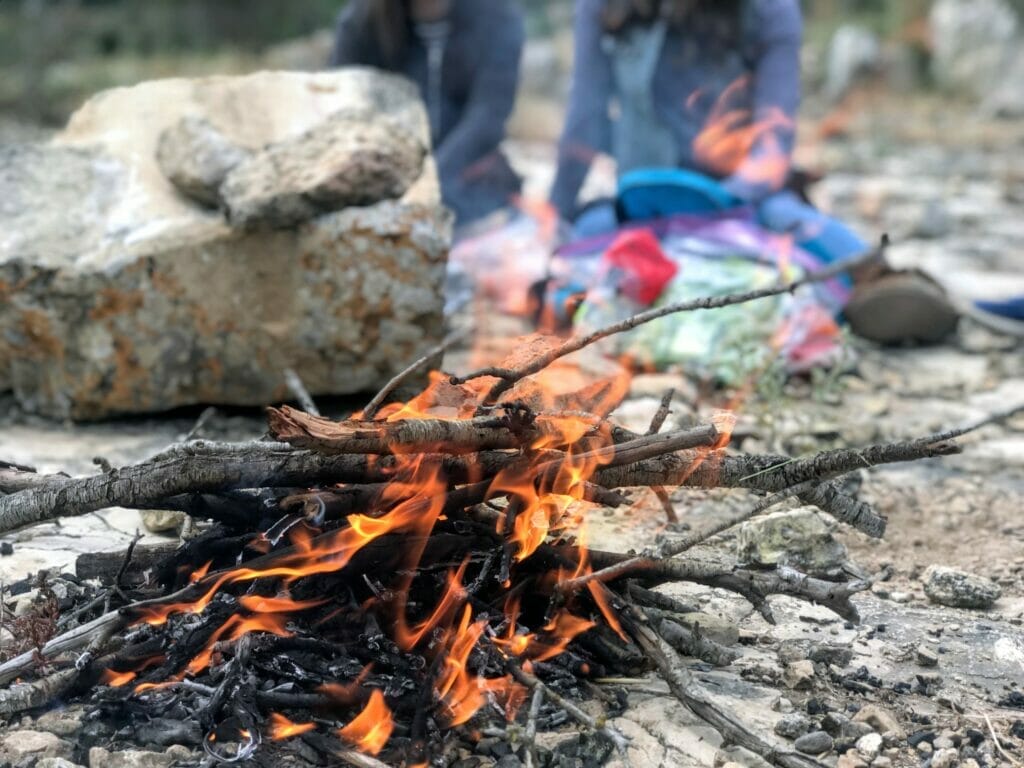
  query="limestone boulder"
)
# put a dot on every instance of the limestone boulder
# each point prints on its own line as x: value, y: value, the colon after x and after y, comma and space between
x: 348, y: 160
x: 973, y: 42
x: 196, y: 158
x: 120, y: 294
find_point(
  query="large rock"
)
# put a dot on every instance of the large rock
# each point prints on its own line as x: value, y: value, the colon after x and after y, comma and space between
x: 959, y: 589
x: 119, y: 294
x: 853, y: 53
x: 345, y: 161
x: 800, y: 538
x: 973, y: 42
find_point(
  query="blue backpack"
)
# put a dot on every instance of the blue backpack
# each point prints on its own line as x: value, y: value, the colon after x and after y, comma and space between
x: 657, y: 193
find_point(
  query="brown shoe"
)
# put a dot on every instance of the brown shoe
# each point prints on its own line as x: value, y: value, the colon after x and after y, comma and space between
x: 899, y: 307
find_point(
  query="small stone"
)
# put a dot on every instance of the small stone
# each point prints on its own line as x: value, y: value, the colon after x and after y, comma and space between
x: 943, y: 742
x: 800, y: 538
x: 927, y: 657
x: 790, y: 652
x: 870, y: 745
x: 509, y: 761
x: 928, y: 683
x: 959, y: 589
x: 900, y: 597
x: 783, y: 705
x: 799, y: 675
x: 102, y: 758
x: 6, y: 548
x: 836, y: 655
x: 951, y: 700
x: 924, y: 748
x: 19, y: 746
x: 882, y: 762
x: 839, y: 726
x: 917, y: 737
x: 161, y: 520
x: 721, y: 630
x: 945, y: 758
x: 56, y: 762
x: 881, y: 720
x: 793, y: 726
x: 969, y: 763
x: 66, y: 722
x: 196, y: 158
x: 816, y: 743
x: 851, y: 759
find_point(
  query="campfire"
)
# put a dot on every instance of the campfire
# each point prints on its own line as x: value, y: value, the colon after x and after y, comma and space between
x: 386, y: 589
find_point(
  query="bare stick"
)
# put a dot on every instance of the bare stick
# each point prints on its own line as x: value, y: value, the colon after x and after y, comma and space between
x: 626, y: 567
x: 662, y: 413
x: 450, y: 341
x: 299, y: 391
x: 509, y: 376
x: 306, y: 431
x: 24, y: 696
x: 684, y: 688
x: 666, y: 503
x: 530, y: 736
x: 715, y: 569
x: 79, y: 637
x: 533, y: 683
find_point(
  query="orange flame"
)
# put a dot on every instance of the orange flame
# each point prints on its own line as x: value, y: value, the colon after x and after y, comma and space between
x: 346, y: 693
x: 117, y: 679
x: 371, y: 728
x: 282, y: 728
x: 732, y: 142
x: 462, y: 692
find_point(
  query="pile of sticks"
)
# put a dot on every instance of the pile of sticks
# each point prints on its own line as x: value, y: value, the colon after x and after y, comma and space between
x: 397, y: 537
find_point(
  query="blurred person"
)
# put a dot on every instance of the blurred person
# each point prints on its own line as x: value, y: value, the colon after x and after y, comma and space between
x: 711, y: 89
x: 464, y: 56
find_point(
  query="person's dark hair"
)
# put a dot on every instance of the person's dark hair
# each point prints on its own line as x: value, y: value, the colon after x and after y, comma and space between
x: 390, y: 20
x: 383, y: 30
x: 715, y: 19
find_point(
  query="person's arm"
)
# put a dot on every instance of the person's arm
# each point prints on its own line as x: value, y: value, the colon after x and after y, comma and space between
x: 481, y: 128
x: 776, y: 101
x: 350, y: 33
x: 587, y: 126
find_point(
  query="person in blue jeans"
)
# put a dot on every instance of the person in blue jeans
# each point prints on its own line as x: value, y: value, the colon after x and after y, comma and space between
x: 464, y: 56
x: 711, y: 87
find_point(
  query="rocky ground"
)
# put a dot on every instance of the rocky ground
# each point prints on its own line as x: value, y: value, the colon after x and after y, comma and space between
x: 934, y: 673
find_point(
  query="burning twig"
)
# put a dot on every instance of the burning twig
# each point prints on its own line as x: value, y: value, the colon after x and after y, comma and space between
x: 450, y: 341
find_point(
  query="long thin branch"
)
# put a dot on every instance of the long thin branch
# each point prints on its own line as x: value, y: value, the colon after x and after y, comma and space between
x: 450, y: 341
x: 215, y: 467
x: 509, y: 376
x: 685, y: 688
x: 626, y: 567
x: 716, y: 570
x: 24, y: 696
x: 306, y: 431
x: 533, y: 683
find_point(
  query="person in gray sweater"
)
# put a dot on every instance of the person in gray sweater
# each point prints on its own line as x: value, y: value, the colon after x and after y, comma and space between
x: 464, y: 56
x: 712, y: 86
